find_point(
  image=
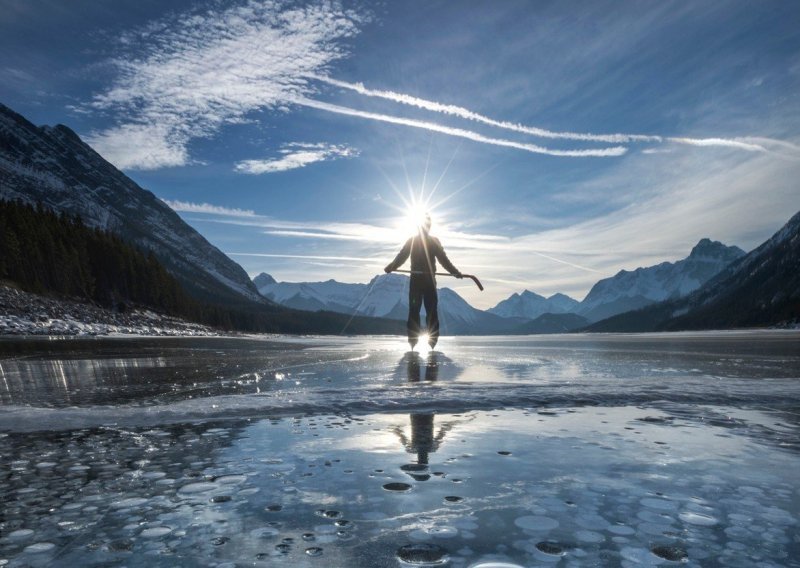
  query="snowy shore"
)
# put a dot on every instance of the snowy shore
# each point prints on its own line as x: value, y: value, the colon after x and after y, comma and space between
x: 23, y: 313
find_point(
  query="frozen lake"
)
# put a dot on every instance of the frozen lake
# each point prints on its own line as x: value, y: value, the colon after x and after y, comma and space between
x: 602, y: 450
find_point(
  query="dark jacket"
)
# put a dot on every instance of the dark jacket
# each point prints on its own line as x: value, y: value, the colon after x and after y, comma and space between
x: 423, y: 249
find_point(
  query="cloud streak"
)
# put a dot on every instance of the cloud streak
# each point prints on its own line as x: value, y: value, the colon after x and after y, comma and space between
x: 187, y: 207
x: 467, y: 114
x: 460, y: 132
x: 747, y: 143
x: 296, y: 155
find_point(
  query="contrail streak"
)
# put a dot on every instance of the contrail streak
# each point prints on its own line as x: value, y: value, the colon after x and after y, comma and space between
x: 459, y: 132
x: 748, y: 143
x: 462, y: 112
x: 734, y: 143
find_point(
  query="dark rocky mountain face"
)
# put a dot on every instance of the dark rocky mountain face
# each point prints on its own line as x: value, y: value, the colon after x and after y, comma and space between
x: 53, y: 166
x: 761, y: 289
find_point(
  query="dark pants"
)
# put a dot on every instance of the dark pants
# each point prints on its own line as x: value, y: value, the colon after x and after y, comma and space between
x: 423, y: 291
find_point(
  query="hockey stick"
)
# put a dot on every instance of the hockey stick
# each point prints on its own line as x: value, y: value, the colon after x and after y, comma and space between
x: 474, y: 278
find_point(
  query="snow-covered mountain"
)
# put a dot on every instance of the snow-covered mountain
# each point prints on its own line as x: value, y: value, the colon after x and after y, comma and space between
x: 631, y: 290
x: 761, y: 288
x: 52, y: 165
x: 530, y: 305
x: 384, y: 296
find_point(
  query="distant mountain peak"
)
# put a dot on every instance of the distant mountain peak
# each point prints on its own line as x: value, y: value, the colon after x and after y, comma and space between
x: 264, y: 279
x: 530, y: 305
x: 528, y: 294
x: 630, y: 290
x: 708, y: 249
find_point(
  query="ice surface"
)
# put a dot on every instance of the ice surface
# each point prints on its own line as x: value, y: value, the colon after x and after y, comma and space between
x: 594, y: 451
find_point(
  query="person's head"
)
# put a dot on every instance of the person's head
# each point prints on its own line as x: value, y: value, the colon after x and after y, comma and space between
x: 425, y: 226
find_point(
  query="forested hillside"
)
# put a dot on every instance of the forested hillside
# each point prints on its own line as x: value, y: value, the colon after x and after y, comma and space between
x: 58, y: 255
x: 48, y: 253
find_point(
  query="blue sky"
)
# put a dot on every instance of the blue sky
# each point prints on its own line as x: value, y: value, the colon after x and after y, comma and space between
x: 555, y: 142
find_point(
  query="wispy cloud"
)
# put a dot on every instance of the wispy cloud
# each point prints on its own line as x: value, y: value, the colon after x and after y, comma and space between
x: 188, y: 207
x: 296, y: 155
x: 204, y: 69
x: 208, y: 68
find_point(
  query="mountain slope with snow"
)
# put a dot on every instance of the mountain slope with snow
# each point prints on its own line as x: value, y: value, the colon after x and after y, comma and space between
x: 53, y: 166
x: 631, y: 290
x: 530, y: 305
x: 759, y: 289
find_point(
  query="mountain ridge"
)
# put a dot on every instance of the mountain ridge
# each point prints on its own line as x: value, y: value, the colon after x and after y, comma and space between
x: 53, y: 166
x: 761, y: 288
x: 634, y: 289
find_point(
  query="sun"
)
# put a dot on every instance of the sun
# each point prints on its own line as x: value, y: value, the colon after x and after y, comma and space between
x: 414, y: 217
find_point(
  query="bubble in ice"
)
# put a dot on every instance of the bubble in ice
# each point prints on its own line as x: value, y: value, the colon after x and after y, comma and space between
x: 622, y: 530
x: 443, y: 531
x: 328, y: 513
x: 397, y: 486
x: 155, y: 532
x: 639, y: 556
x: 551, y: 548
x: 283, y: 548
x: 154, y: 475
x: 314, y: 551
x: 343, y: 523
x: 220, y: 498
x: 536, y: 523
x: 422, y: 554
x: 308, y: 536
x: 122, y: 545
x: 219, y: 541
x: 504, y: 453
x: 659, y: 504
x: 129, y: 502
x: 671, y: 553
x: 19, y: 534
x: 453, y: 499
x: 264, y: 532
x: 231, y: 479
x: 274, y: 508
x: 39, y: 547
x: 415, y: 467
x: 199, y: 487
x: 693, y: 518
x: 589, y: 536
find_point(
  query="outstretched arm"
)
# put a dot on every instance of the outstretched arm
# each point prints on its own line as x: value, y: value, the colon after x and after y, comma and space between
x: 446, y: 264
x: 400, y: 258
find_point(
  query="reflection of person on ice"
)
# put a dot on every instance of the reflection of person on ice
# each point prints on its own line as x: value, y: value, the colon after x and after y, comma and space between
x: 423, y: 249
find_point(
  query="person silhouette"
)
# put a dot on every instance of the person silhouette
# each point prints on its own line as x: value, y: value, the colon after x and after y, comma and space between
x: 423, y: 440
x: 424, y: 249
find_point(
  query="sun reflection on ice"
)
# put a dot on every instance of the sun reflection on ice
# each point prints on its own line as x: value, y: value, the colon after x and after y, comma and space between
x: 422, y: 347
